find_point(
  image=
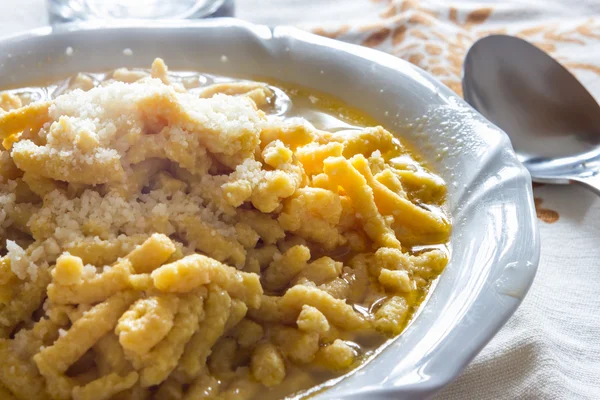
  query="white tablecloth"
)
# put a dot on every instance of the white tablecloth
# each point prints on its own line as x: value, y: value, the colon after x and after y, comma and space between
x: 550, y: 349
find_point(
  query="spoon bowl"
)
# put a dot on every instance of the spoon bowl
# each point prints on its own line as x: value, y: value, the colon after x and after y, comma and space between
x: 551, y: 119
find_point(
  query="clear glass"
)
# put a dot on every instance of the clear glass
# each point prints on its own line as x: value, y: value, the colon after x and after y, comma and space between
x: 72, y: 10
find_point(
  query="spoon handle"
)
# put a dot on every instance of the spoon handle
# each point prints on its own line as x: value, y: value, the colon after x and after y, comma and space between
x: 591, y: 182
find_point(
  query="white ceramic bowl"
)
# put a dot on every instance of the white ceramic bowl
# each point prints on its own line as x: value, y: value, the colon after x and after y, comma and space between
x: 495, y: 243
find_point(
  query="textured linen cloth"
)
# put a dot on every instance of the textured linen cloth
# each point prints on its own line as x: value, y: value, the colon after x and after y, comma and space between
x: 550, y: 348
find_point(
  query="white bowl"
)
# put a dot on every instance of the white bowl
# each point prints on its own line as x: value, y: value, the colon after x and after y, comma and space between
x: 495, y: 242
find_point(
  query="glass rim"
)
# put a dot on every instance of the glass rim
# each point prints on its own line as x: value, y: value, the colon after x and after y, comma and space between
x: 200, y: 9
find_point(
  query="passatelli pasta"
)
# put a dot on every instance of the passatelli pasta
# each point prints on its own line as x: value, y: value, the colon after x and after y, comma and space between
x: 183, y: 236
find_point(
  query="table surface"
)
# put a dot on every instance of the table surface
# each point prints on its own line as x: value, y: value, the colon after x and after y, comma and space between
x: 550, y: 349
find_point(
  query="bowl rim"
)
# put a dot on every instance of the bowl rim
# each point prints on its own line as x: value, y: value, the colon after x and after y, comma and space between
x: 519, y: 285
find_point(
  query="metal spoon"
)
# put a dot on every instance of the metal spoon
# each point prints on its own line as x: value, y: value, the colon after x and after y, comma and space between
x: 551, y: 119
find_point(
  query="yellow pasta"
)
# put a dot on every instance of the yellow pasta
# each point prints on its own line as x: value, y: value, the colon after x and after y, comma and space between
x: 267, y: 228
x: 98, y: 252
x: 395, y: 280
x: 41, y: 161
x: 43, y: 332
x: 339, y: 288
x: 68, y: 270
x: 222, y: 358
x: 10, y: 101
x: 416, y: 218
x: 177, y: 236
x: 114, y: 280
x: 53, y: 361
x: 391, y: 315
x: 20, y: 377
x: 218, y: 305
x: 128, y: 75
x: 151, y: 254
x: 313, y: 155
x: 25, y: 297
x: 388, y: 178
x: 163, y: 359
x: 299, y: 347
x: 268, y: 366
x: 39, y: 185
x: 184, y: 275
x: 322, y: 270
x: 277, y: 155
x: 272, y: 310
x: 337, y: 311
x: 248, y: 333
x: 314, y: 214
x: 357, y: 273
x: 146, y: 323
x: 275, y: 186
x: 292, y: 133
x: 260, y: 258
x: 110, y: 356
x: 209, y: 240
x: 16, y: 120
x: 285, y: 267
x: 258, y: 92
x: 195, y: 270
x: 6, y: 273
x: 159, y: 70
x: 427, y: 186
x: 237, y: 312
x: 341, y: 170
x: 247, y: 236
x: 165, y: 181
x: 311, y: 319
x: 365, y: 141
x: 337, y: 355
x: 84, y: 333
